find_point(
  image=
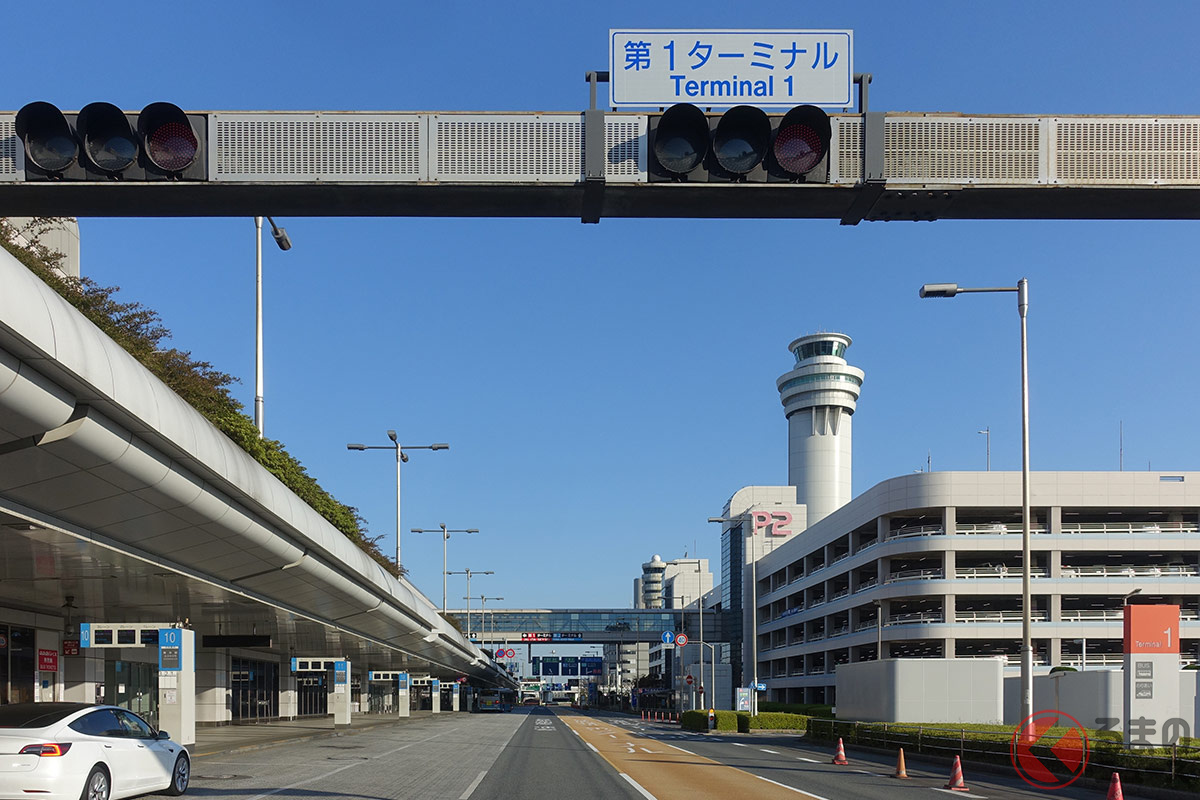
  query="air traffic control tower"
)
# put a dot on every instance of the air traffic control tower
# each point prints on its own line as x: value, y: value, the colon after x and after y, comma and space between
x: 819, y: 396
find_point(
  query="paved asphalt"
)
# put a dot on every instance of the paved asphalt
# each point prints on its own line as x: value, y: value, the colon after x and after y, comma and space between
x: 561, y: 754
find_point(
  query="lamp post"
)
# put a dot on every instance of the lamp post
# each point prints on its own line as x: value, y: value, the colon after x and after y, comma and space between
x: 987, y: 432
x: 281, y: 239
x: 469, y: 572
x: 483, y: 614
x: 1022, y: 290
x: 401, y: 457
x: 878, y: 629
x: 445, y: 538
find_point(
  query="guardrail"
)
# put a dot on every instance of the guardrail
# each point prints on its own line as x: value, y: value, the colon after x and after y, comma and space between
x: 914, y: 574
x: 1130, y: 572
x: 998, y: 616
x: 999, y: 571
x: 1129, y: 527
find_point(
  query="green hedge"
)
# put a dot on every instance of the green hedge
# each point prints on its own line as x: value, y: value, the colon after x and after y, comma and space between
x: 778, y: 721
x: 726, y: 721
x: 806, y: 709
x: 1177, y: 767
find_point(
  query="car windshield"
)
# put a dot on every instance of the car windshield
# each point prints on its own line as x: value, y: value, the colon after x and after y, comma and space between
x: 36, y: 715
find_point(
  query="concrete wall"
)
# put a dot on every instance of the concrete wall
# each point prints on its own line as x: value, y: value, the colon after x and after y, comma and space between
x: 1096, y: 697
x: 921, y: 690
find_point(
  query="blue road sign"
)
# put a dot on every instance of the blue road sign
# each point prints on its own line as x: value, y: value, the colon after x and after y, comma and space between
x: 668, y: 637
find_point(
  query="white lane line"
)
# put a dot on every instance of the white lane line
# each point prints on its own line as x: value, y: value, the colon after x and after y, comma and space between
x: 951, y: 791
x: 793, y: 788
x: 680, y: 749
x: 739, y: 744
x: 638, y: 786
x: 645, y: 750
x: 307, y: 781
x: 589, y: 744
x: 809, y: 760
x: 772, y: 752
x: 475, y: 783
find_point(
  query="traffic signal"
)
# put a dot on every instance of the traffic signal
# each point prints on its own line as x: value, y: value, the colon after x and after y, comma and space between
x: 101, y: 143
x: 743, y: 144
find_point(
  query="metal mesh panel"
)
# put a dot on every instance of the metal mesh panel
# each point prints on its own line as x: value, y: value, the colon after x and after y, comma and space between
x: 624, y: 142
x: 846, y: 144
x: 10, y: 150
x: 1126, y: 151
x: 499, y: 147
x: 297, y: 147
x: 962, y: 150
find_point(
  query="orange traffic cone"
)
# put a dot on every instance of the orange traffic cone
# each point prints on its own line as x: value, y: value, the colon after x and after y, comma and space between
x: 840, y: 756
x: 900, y: 771
x: 956, y: 778
x: 1114, y: 788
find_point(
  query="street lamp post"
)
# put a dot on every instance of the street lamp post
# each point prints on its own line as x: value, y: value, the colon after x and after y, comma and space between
x: 401, y: 457
x: 987, y: 432
x: 483, y: 614
x: 878, y: 629
x: 281, y: 239
x: 469, y: 572
x: 1022, y: 290
x: 445, y: 538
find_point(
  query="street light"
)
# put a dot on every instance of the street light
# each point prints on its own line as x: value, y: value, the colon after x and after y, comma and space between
x: 987, y: 432
x: 469, y: 572
x: 445, y: 538
x: 401, y: 457
x: 483, y: 613
x: 1022, y: 290
x: 281, y: 239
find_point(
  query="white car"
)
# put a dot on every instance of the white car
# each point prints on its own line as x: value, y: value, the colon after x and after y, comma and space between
x: 80, y: 751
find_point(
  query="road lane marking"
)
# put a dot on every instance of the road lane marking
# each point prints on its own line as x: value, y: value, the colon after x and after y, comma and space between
x: 646, y: 750
x: 772, y: 752
x: 589, y: 744
x: 794, y: 789
x: 474, y: 784
x: 809, y: 760
x: 680, y: 749
x: 638, y: 786
x: 739, y: 744
x: 951, y: 791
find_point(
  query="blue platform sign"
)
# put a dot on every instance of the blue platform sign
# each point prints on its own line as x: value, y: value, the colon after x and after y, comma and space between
x: 771, y: 68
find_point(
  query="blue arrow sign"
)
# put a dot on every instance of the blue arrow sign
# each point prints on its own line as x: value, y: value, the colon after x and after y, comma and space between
x: 668, y: 637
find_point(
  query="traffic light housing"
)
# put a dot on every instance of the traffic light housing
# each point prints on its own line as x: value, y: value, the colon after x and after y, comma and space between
x: 102, y: 143
x: 744, y: 144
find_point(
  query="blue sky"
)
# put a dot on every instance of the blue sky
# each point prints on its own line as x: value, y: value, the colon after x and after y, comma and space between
x: 605, y: 388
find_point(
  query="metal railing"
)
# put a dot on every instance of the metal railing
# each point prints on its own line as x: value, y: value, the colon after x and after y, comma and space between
x: 1000, y: 571
x: 1130, y: 527
x: 996, y: 529
x: 914, y: 574
x: 916, y: 530
x: 914, y: 617
x: 998, y: 616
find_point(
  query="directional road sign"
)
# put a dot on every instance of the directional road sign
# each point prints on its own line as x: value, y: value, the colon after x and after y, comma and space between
x: 668, y: 637
x: 731, y: 67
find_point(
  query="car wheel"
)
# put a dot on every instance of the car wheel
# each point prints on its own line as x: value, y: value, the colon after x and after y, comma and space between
x: 181, y: 776
x: 96, y: 787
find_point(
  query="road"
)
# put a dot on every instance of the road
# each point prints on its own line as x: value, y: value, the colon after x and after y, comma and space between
x: 562, y: 754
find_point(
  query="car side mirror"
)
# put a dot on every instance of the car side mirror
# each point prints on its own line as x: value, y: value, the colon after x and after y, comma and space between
x: 163, y: 735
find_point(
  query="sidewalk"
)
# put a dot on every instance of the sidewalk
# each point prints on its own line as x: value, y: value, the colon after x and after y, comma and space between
x: 221, y: 739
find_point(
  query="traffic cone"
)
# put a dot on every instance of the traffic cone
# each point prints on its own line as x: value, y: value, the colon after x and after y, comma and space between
x: 1114, y: 788
x: 956, y: 778
x: 900, y: 771
x: 840, y: 756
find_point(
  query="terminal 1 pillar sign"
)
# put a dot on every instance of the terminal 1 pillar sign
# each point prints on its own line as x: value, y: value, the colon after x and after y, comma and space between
x: 1151, y: 675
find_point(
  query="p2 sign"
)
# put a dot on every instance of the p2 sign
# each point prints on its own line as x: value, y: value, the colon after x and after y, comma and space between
x: 775, y: 523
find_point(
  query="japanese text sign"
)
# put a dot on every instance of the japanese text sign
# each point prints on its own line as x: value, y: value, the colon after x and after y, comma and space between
x: 731, y: 67
x: 48, y: 660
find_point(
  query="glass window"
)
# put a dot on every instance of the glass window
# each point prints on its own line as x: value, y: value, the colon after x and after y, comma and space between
x: 134, y: 725
x: 22, y: 662
x: 99, y: 723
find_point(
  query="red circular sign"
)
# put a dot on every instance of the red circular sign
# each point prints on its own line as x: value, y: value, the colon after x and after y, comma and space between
x: 1045, y: 756
x: 681, y: 640
x: 689, y: 680
x: 510, y: 653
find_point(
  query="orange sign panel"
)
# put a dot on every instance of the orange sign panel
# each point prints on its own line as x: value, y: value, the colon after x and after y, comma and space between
x: 1152, y: 629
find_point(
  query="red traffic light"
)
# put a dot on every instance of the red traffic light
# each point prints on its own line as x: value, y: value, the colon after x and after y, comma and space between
x: 171, y: 143
x: 802, y: 140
